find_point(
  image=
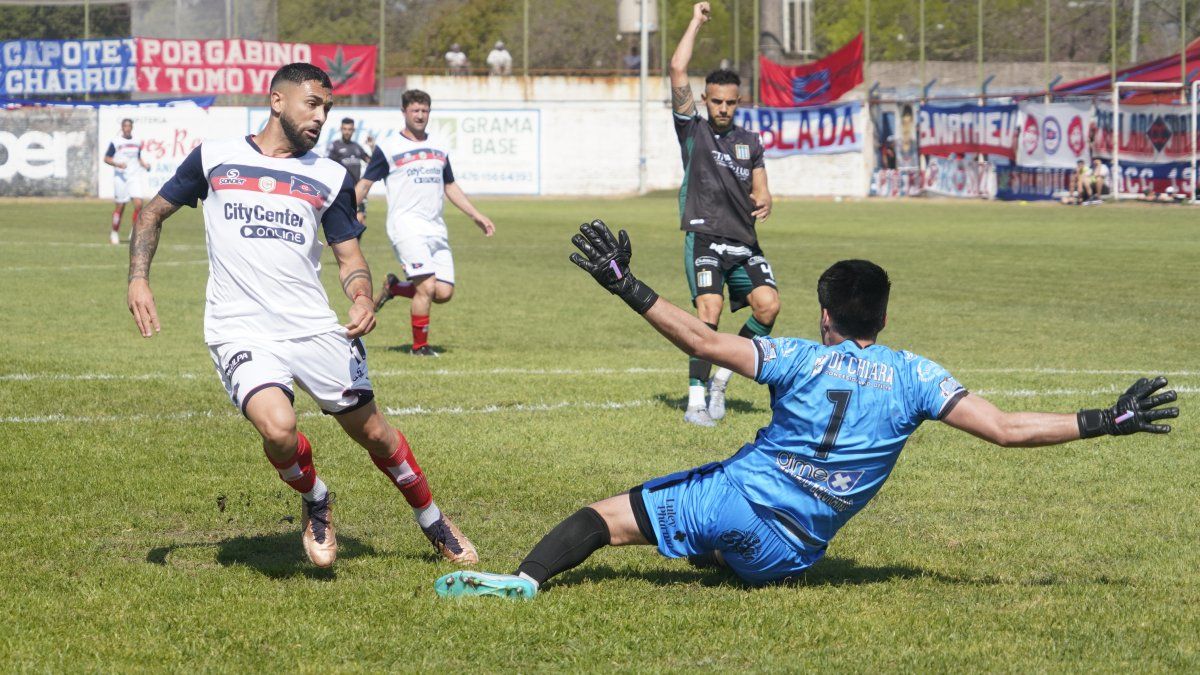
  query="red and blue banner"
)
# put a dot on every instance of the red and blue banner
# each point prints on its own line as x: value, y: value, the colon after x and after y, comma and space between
x: 245, y: 66
x: 815, y: 83
x: 823, y: 130
x: 945, y: 131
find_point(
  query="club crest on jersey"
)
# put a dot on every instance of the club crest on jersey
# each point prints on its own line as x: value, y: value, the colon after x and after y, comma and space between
x: 842, y: 482
x: 300, y: 187
x: 704, y: 278
x: 266, y: 184
x: 232, y: 177
x: 741, y: 151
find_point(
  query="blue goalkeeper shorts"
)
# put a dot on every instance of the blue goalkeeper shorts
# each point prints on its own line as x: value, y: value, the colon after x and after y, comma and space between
x: 698, y: 511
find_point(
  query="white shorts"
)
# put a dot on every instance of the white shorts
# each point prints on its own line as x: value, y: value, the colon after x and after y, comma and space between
x: 128, y: 186
x: 331, y: 368
x: 424, y: 255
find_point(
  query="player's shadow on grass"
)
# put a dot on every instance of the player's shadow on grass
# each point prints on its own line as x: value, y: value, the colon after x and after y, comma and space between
x: 731, y: 404
x: 278, y: 556
x: 828, y: 572
x: 407, y: 349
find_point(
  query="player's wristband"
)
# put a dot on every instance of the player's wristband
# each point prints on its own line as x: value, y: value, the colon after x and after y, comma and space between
x: 362, y: 207
x: 1095, y: 422
x: 637, y: 295
x: 358, y: 295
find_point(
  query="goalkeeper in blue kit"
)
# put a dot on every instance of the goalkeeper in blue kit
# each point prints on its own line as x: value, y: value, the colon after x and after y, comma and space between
x: 841, y: 411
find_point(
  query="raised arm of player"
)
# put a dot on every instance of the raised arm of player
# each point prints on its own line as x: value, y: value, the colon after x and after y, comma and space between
x: 142, y: 245
x: 682, y: 99
x: 355, y: 275
x: 361, y: 189
x: 607, y: 258
x: 1133, y: 412
x: 459, y: 198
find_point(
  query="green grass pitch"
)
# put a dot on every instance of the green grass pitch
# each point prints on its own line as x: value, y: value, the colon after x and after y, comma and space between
x: 143, y: 529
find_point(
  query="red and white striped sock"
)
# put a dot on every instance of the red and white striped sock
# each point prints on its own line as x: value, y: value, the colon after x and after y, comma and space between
x: 402, y: 469
x: 116, y: 220
x: 299, y: 473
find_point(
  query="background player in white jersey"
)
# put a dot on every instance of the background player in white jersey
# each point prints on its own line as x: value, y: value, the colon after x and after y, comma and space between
x: 417, y: 170
x: 841, y: 412
x: 267, y: 320
x: 124, y: 155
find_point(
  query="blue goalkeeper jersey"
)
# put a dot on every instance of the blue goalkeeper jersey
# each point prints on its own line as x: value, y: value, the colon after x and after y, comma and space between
x: 840, y: 416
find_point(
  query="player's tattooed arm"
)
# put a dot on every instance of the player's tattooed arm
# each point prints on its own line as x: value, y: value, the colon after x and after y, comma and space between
x: 357, y: 282
x: 683, y: 101
x: 143, y: 242
x: 142, y: 245
x: 355, y: 275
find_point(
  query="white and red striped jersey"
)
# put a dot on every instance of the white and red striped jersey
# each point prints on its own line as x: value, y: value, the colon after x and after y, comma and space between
x: 262, y: 219
x: 125, y: 151
x: 417, y: 173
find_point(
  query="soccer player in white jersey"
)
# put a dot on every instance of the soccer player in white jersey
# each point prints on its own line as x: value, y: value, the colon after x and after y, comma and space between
x: 267, y: 321
x: 417, y: 170
x: 124, y: 155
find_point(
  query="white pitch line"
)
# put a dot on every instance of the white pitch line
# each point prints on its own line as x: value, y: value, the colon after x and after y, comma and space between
x: 59, y: 418
x: 82, y: 377
x: 115, y: 265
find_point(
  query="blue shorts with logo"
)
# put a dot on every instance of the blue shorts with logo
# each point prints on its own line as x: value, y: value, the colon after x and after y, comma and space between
x: 699, y: 510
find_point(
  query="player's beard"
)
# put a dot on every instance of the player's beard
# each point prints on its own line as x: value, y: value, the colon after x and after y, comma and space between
x: 291, y: 131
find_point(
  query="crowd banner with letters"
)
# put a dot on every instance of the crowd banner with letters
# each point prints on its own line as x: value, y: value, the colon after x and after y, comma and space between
x: 823, y: 130
x: 956, y: 176
x: 1054, y: 135
x: 492, y: 151
x: 245, y: 66
x: 187, y: 102
x: 1154, y: 148
x: 31, y: 68
x: 1032, y: 183
x: 168, y: 135
x: 961, y: 129
x: 47, y: 152
x: 815, y: 83
x: 907, y: 182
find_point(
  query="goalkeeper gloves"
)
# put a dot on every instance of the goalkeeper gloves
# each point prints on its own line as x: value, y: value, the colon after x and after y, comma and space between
x: 607, y: 260
x: 1133, y: 412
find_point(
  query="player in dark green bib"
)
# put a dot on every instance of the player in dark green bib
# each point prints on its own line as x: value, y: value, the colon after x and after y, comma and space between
x: 723, y: 195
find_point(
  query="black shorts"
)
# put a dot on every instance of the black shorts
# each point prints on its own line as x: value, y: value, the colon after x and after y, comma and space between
x: 711, y: 262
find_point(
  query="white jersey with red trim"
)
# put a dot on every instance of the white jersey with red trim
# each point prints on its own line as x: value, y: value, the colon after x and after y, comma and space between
x: 417, y: 173
x: 126, y: 151
x: 262, y: 217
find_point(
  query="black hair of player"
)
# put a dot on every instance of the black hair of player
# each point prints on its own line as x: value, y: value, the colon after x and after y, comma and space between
x: 347, y: 120
x: 414, y: 96
x: 127, y: 119
x: 723, y: 77
x: 299, y: 73
x: 855, y: 293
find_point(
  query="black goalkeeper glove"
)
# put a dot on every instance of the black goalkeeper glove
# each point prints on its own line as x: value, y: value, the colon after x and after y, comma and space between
x: 1134, y: 412
x: 608, y: 262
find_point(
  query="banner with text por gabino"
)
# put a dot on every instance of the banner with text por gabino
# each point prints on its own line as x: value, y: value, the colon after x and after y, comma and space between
x: 170, y: 66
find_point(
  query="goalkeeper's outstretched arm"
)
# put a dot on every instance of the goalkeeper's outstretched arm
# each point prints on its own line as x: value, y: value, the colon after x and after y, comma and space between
x: 607, y: 258
x: 1135, y: 411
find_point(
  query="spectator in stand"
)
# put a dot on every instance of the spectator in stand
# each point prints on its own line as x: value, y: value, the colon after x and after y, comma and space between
x: 456, y: 61
x: 1082, y: 183
x: 633, y: 60
x: 499, y: 61
x: 1100, y: 176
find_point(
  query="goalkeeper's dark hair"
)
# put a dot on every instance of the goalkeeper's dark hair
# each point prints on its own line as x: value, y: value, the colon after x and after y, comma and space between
x: 299, y: 73
x: 855, y: 293
x: 723, y: 77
